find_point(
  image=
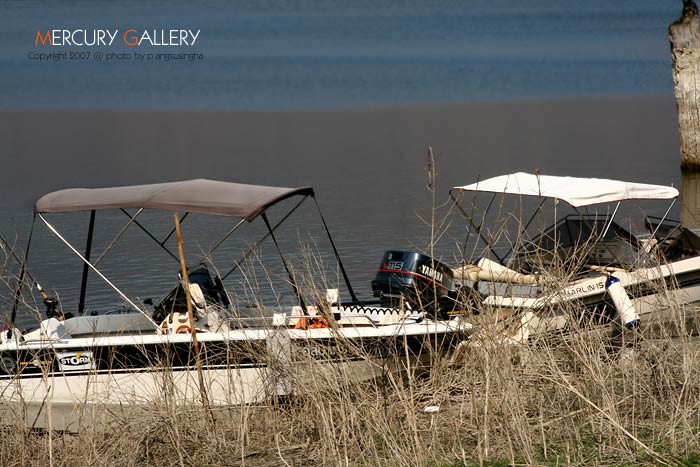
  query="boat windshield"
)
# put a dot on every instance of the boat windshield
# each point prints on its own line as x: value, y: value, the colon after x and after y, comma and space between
x: 577, y: 241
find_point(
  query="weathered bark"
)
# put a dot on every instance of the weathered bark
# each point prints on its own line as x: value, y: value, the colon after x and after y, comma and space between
x: 690, y: 198
x: 684, y: 36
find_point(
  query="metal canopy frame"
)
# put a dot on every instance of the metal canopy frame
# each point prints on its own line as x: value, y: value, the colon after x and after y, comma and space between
x: 87, y: 264
x: 457, y: 203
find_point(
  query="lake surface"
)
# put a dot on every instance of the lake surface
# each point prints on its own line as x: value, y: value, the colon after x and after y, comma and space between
x: 304, y: 54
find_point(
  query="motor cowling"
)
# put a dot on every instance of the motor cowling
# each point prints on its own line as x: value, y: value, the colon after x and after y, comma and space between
x: 422, y: 282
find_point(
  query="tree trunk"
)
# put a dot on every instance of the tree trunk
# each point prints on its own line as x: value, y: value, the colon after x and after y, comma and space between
x: 684, y: 36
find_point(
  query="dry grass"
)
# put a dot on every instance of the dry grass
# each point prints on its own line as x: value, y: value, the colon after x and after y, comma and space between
x: 591, y: 396
x: 575, y: 399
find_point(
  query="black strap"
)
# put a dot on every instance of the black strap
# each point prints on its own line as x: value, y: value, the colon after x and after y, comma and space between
x: 264, y: 237
x: 88, y: 250
x: 19, y: 260
x: 289, y: 273
x: 22, y: 272
x: 337, y: 256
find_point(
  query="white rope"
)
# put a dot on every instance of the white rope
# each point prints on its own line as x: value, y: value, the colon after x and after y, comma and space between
x: 121, y: 294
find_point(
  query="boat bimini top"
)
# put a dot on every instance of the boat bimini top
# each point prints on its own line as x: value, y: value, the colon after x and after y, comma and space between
x: 200, y: 196
x: 242, y: 201
x: 576, y: 191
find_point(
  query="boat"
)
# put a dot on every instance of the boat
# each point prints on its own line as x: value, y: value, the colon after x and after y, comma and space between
x: 191, y: 345
x: 586, y: 267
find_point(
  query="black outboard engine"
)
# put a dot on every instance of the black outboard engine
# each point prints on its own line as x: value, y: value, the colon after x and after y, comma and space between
x: 424, y: 283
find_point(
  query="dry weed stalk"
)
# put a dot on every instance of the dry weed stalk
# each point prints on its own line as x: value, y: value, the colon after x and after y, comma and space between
x: 589, y: 395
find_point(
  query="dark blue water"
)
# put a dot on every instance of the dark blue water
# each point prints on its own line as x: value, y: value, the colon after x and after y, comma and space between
x: 329, y: 54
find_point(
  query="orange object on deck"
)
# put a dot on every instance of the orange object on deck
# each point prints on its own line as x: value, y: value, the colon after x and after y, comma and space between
x: 317, y: 322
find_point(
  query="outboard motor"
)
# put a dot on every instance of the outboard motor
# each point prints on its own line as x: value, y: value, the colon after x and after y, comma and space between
x: 421, y: 281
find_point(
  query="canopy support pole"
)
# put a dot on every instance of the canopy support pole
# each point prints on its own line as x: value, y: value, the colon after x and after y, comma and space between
x: 474, y: 226
x: 286, y: 267
x: 224, y: 238
x: 337, y: 255
x: 215, y: 246
x: 172, y: 231
x: 663, y: 218
x: 537, y: 211
x: 22, y: 272
x: 91, y: 266
x: 119, y: 235
x: 262, y: 239
x: 150, y: 235
x: 88, y: 249
x: 607, y: 227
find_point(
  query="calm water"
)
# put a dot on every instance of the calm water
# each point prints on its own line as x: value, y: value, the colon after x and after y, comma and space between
x: 332, y: 53
x: 368, y: 169
x: 268, y: 95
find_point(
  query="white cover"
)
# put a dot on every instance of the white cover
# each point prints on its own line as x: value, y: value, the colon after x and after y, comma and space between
x: 574, y: 190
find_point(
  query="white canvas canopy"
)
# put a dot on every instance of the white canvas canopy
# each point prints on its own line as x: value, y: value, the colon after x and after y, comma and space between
x: 576, y: 191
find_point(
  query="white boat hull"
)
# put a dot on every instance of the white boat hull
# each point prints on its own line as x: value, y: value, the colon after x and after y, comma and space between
x: 651, y: 290
x: 76, y: 402
x: 242, y: 367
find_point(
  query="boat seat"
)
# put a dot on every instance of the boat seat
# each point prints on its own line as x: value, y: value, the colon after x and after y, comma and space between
x: 51, y: 328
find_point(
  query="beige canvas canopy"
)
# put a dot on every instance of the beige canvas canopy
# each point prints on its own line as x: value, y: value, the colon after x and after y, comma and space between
x: 200, y: 196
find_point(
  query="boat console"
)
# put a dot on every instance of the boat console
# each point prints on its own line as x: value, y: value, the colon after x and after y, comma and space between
x: 585, y: 240
x: 212, y: 291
